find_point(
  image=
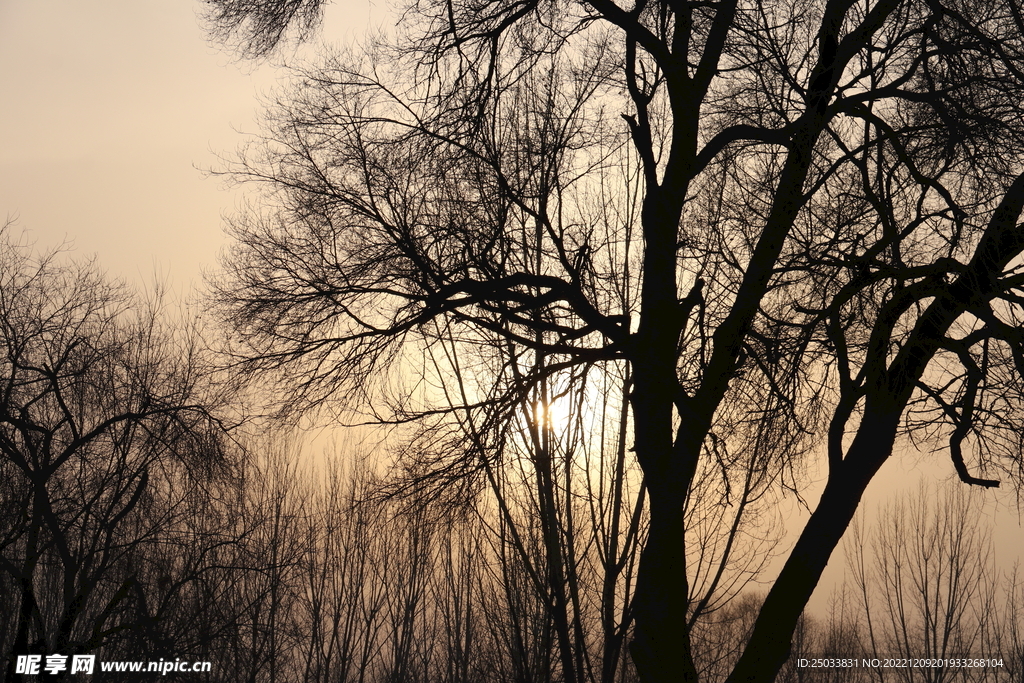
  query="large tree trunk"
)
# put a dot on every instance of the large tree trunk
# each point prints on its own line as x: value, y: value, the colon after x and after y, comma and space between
x: 769, y: 645
x: 661, y: 645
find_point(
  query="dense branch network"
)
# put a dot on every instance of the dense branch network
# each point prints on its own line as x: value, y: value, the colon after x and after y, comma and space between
x: 796, y: 223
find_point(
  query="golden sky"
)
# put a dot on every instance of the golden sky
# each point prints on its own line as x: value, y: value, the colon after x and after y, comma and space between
x: 108, y: 113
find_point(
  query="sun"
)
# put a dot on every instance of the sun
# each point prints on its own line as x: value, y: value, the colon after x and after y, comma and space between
x: 554, y: 414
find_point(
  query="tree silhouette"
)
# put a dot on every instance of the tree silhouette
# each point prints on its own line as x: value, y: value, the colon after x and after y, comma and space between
x: 107, y: 434
x: 795, y: 223
x: 930, y: 587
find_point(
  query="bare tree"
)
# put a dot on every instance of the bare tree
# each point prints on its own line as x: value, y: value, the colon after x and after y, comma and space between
x: 788, y: 220
x: 107, y: 431
x: 930, y: 588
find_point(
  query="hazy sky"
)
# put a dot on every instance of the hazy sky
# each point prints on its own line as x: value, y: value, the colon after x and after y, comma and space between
x: 111, y: 109
x: 109, y: 112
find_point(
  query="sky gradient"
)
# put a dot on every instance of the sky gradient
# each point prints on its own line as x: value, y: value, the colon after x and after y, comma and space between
x: 111, y: 112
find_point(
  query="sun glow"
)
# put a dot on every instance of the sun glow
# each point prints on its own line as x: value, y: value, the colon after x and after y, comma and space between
x: 554, y: 414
